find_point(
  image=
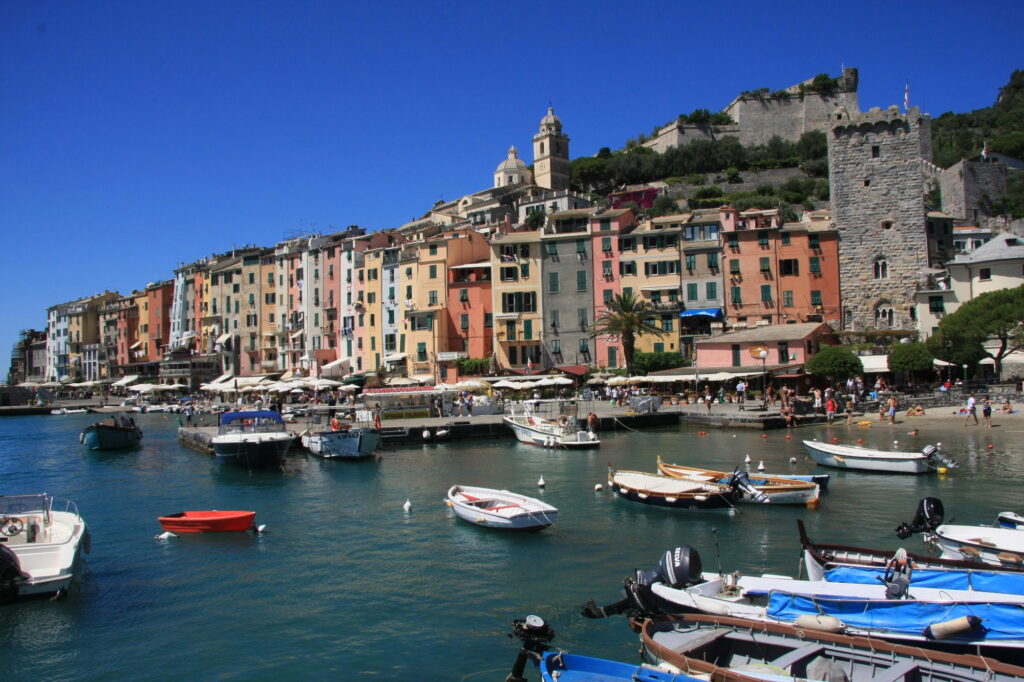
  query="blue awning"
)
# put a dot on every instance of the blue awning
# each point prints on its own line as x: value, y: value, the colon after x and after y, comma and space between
x: 702, y: 312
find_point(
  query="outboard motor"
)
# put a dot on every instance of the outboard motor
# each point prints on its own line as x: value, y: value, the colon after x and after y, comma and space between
x: 536, y: 636
x: 897, y: 575
x: 930, y: 513
x: 678, y: 568
x: 741, y: 480
x: 932, y: 453
x: 11, y: 575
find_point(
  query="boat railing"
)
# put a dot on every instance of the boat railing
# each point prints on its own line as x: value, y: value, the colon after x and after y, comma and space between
x: 549, y: 409
x: 62, y: 504
x: 256, y: 425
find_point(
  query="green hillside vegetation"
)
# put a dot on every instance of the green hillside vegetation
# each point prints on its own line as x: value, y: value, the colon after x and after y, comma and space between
x: 962, y: 136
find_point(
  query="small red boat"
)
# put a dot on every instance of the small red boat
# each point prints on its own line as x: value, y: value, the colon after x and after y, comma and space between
x: 208, y: 521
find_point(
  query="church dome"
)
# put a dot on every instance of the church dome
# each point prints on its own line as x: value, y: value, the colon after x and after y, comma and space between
x: 512, y: 163
x: 551, y: 122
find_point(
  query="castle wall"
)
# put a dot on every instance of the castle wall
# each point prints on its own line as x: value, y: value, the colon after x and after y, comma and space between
x: 876, y: 179
x: 788, y: 117
x: 967, y: 187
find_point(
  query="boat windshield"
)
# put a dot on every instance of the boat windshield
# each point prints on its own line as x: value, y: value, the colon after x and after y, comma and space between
x: 17, y: 505
x: 251, y: 422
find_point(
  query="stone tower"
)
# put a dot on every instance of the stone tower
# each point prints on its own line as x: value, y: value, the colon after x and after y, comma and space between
x: 551, y: 154
x: 876, y: 173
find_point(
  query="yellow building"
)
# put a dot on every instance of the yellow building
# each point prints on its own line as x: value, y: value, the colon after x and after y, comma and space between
x: 650, y: 266
x: 518, y: 315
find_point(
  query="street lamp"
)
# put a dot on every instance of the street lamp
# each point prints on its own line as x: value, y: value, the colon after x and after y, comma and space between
x: 965, y: 371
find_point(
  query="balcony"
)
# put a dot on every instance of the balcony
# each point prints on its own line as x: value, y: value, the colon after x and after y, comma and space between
x: 667, y: 306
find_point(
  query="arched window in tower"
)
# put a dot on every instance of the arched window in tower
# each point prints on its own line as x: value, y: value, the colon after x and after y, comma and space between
x: 542, y: 148
x: 881, y: 268
x: 558, y: 147
x: 883, y: 315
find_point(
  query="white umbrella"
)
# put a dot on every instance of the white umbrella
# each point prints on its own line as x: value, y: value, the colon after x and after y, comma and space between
x: 348, y: 387
x: 144, y: 388
x: 522, y: 385
x: 545, y: 382
x: 402, y: 381
x: 595, y: 381
x: 446, y: 387
x: 471, y: 385
x: 562, y: 381
x: 296, y: 390
x: 505, y: 384
x: 618, y: 381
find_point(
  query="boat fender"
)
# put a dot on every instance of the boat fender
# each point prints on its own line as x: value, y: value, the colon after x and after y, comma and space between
x: 951, y: 628
x: 810, y: 621
x: 426, y: 434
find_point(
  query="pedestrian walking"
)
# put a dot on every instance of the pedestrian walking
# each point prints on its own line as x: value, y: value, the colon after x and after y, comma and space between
x: 972, y: 410
x: 986, y: 413
x: 849, y: 411
x: 830, y: 409
x: 740, y: 392
x: 893, y: 405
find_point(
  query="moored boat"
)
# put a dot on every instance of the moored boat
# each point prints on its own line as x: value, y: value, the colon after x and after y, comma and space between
x: 563, y: 432
x: 559, y: 666
x: 673, y: 493
x: 990, y: 545
x: 42, y: 540
x: 214, y: 521
x: 753, y: 487
x: 503, y: 509
x: 1009, y: 519
x: 252, y: 439
x: 991, y: 623
x: 868, y: 459
x: 343, y: 443
x: 111, y: 434
x: 720, y: 648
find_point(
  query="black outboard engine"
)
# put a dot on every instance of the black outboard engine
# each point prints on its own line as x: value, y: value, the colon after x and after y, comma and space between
x: 536, y: 636
x: 678, y: 568
x: 11, y: 575
x: 741, y: 480
x: 930, y: 513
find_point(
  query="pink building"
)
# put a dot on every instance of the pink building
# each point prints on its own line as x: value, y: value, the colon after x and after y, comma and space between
x: 786, y: 346
x: 605, y: 229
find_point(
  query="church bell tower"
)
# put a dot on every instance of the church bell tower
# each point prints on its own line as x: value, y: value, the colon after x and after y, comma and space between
x: 551, y: 154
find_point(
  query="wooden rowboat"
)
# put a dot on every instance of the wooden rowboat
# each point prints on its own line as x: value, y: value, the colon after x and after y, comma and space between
x: 775, y: 490
x: 658, y: 490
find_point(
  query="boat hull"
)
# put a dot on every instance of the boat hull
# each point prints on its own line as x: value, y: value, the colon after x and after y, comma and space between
x: 208, y: 521
x: 994, y: 546
x: 103, y: 437
x: 845, y: 457
x: 777, y: 490
x: 351, y: 444
x: 50, y: 547
x: 500, y: 509
x: 656, y: 490
x: 552, y: 437
x: 252, y: 451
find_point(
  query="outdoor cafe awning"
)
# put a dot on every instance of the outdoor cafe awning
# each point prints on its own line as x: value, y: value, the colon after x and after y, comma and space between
x: 223, y: 337
x: 394, y: 357
x: 702, y: 312
x: 124, y: 381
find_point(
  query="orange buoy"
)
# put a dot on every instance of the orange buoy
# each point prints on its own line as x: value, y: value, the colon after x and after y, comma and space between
x: 990, y: 446
x: 788, y: 436
x: 764, y: 435
x: 835, y: 439
x: 860, y: 440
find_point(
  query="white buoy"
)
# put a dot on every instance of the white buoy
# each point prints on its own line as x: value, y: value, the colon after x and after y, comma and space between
x: 260, y: 528
x: 760, y: 465
x: 747, y: 459
x: 426, y: 434
x: 166, y: 535
x: 938, y: 445
x: 792, y: 460
x: 540, y: 483
x: 407, y: 506
x: 598, y: 487
x: 895, y: 442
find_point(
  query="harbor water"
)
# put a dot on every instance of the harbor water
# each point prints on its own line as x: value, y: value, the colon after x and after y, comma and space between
x: 345, y: 584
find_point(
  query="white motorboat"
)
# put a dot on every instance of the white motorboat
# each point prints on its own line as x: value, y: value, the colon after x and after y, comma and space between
x: 252, y: 439
x: 988, y: 544
x: 563, y: 432
x: 867, y: 459
x: 500, y: 508
x: 1008, y: 519
x: 351, y: 443
x: 42, y: 540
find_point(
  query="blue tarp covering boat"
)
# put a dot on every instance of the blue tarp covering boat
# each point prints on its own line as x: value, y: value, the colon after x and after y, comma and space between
x: 983, y: 581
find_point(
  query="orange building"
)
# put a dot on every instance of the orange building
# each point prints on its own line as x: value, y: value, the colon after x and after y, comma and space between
x: 779, y: 274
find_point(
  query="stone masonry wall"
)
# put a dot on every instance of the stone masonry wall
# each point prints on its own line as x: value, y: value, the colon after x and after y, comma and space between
x: 876, y: 179
x: 968, y: 186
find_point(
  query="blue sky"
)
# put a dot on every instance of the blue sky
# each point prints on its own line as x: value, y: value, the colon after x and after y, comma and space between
x: 135, y: 136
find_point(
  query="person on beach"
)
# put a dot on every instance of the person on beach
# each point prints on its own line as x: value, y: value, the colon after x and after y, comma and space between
x: 1007, y: 407
x: 972, y: 410
x: 830, y: 409
x: 740, y: 389
x: 986, y: 413
x: 787, y: 414
x: 817, y: 400
x: 892, y: 405
x: 881, y: 410
x: 849, y: 411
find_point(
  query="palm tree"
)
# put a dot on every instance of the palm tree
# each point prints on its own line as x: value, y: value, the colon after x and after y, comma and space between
x: 626, y: 317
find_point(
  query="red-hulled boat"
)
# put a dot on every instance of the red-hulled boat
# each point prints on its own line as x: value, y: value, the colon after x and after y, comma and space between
x: 208, y: 521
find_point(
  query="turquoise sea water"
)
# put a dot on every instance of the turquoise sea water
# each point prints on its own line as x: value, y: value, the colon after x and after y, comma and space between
x: 346, y: 585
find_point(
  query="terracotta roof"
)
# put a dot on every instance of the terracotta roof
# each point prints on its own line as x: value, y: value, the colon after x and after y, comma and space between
x: 775, y: 332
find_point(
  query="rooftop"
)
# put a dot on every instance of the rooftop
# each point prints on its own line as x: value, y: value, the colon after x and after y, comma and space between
x: 777, y: 332
x: 1002, y: 247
